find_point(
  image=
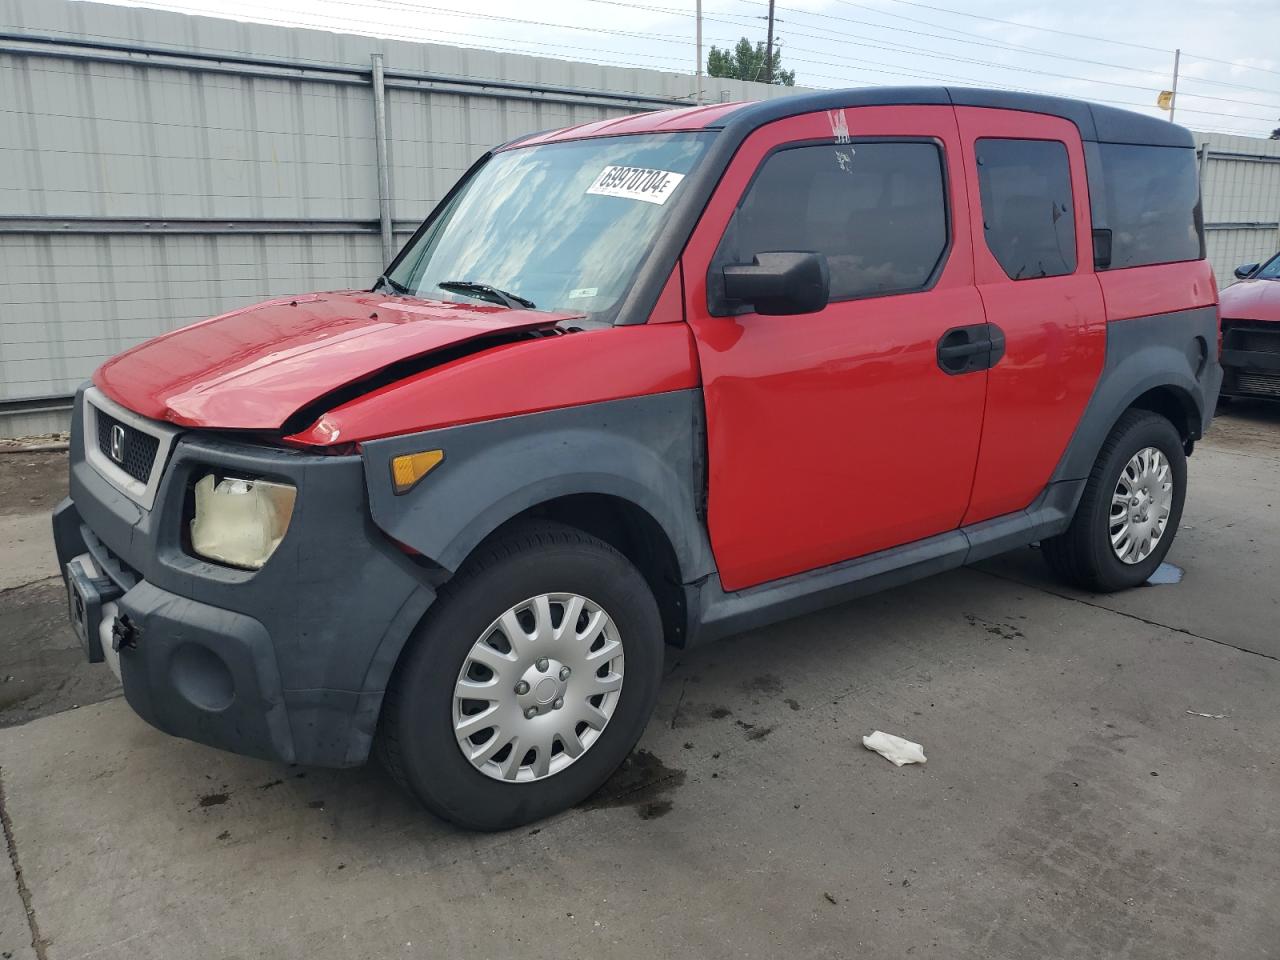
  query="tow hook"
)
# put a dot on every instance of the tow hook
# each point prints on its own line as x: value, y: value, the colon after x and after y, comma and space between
x: 124, y: 633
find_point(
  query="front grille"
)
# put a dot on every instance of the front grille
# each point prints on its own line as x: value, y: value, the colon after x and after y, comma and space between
x: 132, y: 451
x: 1258, y: 384
x: 1252, y: 336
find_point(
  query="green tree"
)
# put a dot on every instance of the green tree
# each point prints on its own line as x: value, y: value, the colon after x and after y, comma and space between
x: 745, y: 62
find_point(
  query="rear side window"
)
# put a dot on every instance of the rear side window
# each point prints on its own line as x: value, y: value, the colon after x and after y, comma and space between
x: 1149, y: 198
x: 1027, y: 212
x: 876, y: 210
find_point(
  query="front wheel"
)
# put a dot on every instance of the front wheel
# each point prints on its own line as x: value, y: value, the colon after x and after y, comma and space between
x: 1130, y: 509
x: 529, y: 682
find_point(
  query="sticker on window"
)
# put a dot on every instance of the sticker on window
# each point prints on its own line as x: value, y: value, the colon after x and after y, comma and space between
x: 583, y: 292
x: 636, y: 183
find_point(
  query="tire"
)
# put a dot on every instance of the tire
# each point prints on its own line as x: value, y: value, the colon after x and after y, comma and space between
x: 1083, y: 555
x: 416, y: 740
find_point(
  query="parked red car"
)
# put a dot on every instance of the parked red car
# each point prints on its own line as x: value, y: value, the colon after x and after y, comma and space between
x: 658, y: 378
x: 1251, y: 332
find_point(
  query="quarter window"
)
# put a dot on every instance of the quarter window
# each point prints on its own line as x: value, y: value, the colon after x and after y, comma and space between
x: 1149, y: 198
x: 876, y: 210
x: 1027, y: 212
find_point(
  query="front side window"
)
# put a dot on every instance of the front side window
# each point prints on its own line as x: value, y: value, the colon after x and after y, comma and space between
x: 876, y: 210
x: 1027, y: 212
x: 1270, y: 270
x: 562, y: 226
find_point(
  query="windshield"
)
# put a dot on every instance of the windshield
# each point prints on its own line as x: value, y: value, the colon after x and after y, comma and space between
x: 1271, y: 271
x: 563, y: 227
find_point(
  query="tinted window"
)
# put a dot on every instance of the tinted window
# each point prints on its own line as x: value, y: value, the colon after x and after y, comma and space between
x: 1149, y: 197
x: 876, y: 210
x: 1026, y: 207
x: 1271, y: 271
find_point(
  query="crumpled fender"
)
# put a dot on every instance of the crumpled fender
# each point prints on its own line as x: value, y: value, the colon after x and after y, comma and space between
x: 646, y: 450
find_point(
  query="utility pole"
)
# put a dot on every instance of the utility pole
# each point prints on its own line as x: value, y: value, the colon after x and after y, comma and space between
x: 1173, y: 100
x: 768, y: 52
x: 697, y: 96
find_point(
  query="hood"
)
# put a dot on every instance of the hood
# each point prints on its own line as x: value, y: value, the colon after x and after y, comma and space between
x: 1251, y: 300
x: 253, y: 368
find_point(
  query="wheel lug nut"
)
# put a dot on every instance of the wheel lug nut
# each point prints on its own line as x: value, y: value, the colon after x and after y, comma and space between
x: 558, y: 704
x: 542, y: 664
x: 564, y: 673
x: 531, y: 713
x: 522, y: 688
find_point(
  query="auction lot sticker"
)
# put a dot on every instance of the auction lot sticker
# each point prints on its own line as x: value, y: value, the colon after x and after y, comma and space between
x: 636, y: 183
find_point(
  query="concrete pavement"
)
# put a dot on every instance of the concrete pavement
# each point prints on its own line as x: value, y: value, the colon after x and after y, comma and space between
x: 1071, y: 805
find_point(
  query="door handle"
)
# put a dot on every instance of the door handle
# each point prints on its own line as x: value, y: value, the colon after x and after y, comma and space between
x: 978, y: 346
x: 964, y: 349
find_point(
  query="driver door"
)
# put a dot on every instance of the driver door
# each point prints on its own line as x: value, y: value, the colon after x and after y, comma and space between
x: 839, y: 433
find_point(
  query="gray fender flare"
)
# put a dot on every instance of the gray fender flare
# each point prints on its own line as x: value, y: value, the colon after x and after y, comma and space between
x: 1161, y: 351
x: 645, y: 450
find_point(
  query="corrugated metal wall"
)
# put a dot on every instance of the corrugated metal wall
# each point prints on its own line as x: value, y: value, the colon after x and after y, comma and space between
x: 142, y: 190
x: 1240, y: 180
x: 146, y: 182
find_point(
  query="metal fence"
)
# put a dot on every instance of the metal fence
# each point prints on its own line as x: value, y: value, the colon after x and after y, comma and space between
x: 157, y: 168
x: 151, y: 176
x: 1240, y: 181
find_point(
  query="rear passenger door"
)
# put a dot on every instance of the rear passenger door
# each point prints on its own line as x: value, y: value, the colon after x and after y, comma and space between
x: 1033, y: 264
x: 836, y: 434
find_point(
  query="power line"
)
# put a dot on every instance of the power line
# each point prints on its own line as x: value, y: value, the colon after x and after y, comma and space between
x: 973, y: 81
x: 1029, y: 26
x: 925, y: 51
x: 1040, y: 51
x: 935, y: 54
x: 974, y: 39
x: 683, y: 41
x: 1100, y: 63
x: 1080, y: 36
x: 390, y: 34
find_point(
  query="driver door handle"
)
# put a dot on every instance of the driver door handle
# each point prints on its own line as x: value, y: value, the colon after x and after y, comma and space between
x: 969, y: 349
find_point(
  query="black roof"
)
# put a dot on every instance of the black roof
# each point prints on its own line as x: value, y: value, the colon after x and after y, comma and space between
x: 1095, y: 121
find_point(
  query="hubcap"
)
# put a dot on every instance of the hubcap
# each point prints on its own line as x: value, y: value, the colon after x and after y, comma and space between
x: 538, y: 688
x: 1140, y: 505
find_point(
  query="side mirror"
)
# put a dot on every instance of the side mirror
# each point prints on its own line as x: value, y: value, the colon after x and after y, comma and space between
x: 1245, y: 271
x: 778, y: 284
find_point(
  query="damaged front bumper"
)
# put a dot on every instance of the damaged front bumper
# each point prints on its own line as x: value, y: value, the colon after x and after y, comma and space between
x: 288, y: 662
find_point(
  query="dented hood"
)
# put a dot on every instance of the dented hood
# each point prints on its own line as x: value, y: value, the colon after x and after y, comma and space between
x: 253, y: 368
x: 1251, y: 300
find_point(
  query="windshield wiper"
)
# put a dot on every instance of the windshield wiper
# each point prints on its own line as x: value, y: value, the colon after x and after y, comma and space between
x: 392, y: 285
x: 488, y: 292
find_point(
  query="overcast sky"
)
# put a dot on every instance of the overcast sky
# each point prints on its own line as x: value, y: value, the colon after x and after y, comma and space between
x: 1117, y: 51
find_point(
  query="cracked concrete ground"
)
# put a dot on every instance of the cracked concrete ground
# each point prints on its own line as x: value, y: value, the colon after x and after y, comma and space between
x: 1101, y: 782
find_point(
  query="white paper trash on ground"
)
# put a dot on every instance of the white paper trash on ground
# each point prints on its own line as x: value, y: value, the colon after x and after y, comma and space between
x: 896, y: 749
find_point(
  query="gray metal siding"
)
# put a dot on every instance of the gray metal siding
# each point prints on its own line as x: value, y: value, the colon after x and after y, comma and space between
x: 1240, y: 184
x: 139, y: 197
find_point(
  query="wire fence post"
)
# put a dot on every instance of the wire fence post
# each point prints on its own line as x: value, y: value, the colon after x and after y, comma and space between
x: 380, y: 148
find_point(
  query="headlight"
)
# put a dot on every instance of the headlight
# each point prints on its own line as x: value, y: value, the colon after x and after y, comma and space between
x: 240, y: 522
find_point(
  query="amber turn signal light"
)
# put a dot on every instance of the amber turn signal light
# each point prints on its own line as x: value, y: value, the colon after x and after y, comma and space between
x: 408, y: 468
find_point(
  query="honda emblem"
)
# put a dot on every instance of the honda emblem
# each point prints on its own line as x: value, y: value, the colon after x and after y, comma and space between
x: 117, y: 443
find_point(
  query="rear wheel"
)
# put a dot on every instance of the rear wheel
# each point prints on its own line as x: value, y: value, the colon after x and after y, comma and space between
x: 1130, y: 509
x: 529, y: 682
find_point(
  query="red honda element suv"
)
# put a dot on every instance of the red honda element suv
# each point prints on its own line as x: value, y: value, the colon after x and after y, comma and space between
x: 658, y: 378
